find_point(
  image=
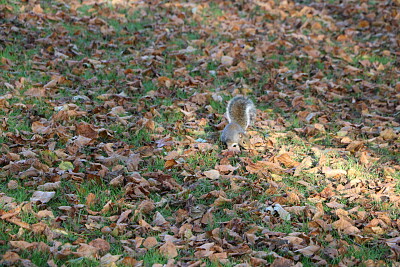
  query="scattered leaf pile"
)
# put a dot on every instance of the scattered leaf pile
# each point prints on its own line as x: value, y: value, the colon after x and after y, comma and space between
x: 109, y: 132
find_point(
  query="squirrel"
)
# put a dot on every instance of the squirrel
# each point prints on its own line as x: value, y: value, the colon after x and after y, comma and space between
x: 241, y: 113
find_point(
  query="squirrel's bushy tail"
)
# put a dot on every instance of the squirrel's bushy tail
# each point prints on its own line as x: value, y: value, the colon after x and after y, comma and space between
x: 241, y: 110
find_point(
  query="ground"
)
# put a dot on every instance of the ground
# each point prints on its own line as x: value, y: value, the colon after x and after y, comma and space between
x: 110, y: 119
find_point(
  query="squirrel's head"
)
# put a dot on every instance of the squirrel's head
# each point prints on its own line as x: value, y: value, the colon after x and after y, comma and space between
x: 244, y: 142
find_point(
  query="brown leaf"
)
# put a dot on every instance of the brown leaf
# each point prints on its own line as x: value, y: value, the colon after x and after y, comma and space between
x: 90, y: 199
x: 363, y: 24
x: 124, y: 216
x: 102, y: 245
x: 355, y: 146
x: 388, y: 134
x: 52, y: 83
x: 208, y: 217
x: 159, y: 219
x: 117, y: 181
x: 282, y: 262
x: 36, y: 92
x: 22, y: 245
x: 86, y: 130
x: 11, y: 257
x: 335, y: 205
x: 109, y: 260
x: 330, y: 173
x: 212, y: 174
x: 146, y: 206
x: 309, y: 251
x: 221, y: 201
x: 287, y: 160
x: 225, y: 168
x: 37, y: 9
x: 170, y: 163
x: 12, y: 184
x: 50, y: 186
x: 150, y: 242
x: 40, y: 128
x: 43, y: 197
x: 86, y: 251
x: 345, y: 226
x: 168, y: 250
x: 129, y: 261
x: 39, y: 228
x: 45, y: 213
x: 226, y: 61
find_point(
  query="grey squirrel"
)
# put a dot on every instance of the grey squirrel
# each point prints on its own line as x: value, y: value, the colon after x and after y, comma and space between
x: 241, y: 113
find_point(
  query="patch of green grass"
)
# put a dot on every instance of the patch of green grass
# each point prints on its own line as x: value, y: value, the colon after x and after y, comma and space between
x: 284, y: 227
x: 213, y: 11
x: 84, y: 9
x: 148, y: 85
x: 152, y: 257
x: 136, y: 138
x: 375, y: 58
x: 385, y: 154
x: 13, y: 4
x: 193, y: 35
x: 364, y: 252
x: 82, y: 261
x: 169, y: 117
x: 292, y: 182
x: 15, y: 122
x: 219, y: 107
x: 18, y: 195
x: 37, y: 257
x: 203, y: 186
x: 210, y: 263
x: 103, y: 193
x: 22, y: 63
x: 153, y: 164
x: 204, y: 161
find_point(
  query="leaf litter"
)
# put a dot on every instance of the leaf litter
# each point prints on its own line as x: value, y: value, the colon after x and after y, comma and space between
x: 110, y: 113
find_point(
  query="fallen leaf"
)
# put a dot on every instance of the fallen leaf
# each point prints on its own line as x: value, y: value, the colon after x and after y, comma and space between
x: 226, y: 61
x: 43, y: 197
x: 150, y: 242
x: 168, y: 250
x: 212, y: 174
x: 102, y: 245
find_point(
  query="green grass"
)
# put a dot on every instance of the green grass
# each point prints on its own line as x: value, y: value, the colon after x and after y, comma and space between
x: 146, y: 41
x: 152, y: 257
x: 203, y: 161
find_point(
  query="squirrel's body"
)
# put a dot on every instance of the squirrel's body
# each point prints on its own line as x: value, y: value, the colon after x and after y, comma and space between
x: 241, y: 113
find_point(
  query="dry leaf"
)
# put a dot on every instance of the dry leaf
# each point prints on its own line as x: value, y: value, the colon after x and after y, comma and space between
x: 102, y: 245
x: 212, y: 174
x: 43, y: 197
x: 226, y: 61
x: 168, y: 250
x: 150, y: 242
